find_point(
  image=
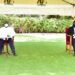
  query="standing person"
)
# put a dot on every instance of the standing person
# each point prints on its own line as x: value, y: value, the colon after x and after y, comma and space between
x: 7, y: 33
x: 10, y: 33
x: 21, y: 29
x: 67, y: 38
x: 2, y: 38
x: 72, y: 33
x: 1, y: 45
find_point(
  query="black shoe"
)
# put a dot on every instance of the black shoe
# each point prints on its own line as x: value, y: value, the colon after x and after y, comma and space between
x: 14, y: 54
x: 8, y: 53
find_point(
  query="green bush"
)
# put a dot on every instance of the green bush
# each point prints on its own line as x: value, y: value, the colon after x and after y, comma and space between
x: 36, y: 24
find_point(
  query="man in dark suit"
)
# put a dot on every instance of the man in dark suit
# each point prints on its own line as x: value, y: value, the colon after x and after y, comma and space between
x: 72, y: 33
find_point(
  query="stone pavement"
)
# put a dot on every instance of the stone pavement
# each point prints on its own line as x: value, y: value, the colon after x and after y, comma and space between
x: 37, y: 37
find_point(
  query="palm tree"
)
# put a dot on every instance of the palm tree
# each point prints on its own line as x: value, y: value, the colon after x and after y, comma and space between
x: 8, y: 2
x: 41, y: 2
x: 71, y: 2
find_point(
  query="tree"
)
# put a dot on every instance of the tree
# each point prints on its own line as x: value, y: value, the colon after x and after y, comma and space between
x: 8, y: 2
x: 41, y: 2
x: 70, y: 2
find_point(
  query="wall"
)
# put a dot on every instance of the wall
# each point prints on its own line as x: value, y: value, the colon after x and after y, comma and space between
x: 35, y: 2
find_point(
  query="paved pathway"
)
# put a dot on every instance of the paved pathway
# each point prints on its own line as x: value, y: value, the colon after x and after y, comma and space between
x: 37, y: 37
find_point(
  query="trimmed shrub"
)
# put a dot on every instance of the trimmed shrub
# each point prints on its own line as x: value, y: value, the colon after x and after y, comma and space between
x: 41, y: 24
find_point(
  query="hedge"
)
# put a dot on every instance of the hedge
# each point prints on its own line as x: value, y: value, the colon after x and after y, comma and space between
x: 37, y: 24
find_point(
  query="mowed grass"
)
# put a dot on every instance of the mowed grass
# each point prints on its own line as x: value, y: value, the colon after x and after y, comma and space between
x: 38, y: 58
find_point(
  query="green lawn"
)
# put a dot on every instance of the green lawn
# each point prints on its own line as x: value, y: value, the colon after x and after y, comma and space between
x: 38, y: 58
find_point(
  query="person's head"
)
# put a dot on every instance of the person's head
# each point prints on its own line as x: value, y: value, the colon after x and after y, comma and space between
x: 73, y: 23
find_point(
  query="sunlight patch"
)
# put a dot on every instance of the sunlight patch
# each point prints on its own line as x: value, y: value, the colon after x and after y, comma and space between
x: 50, y: 73
x: 24, y: 74
x: 39, y: 37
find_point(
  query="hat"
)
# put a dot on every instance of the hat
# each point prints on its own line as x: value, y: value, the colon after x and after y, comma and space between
x: 6, y: 25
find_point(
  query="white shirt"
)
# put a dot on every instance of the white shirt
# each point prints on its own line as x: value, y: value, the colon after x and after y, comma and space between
x: 7, y: 32
x: 3, y: 34
x: 74, y: 33
x: 10, y: 32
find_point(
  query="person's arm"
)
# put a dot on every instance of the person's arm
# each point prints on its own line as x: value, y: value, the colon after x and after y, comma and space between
x: 13, y: 39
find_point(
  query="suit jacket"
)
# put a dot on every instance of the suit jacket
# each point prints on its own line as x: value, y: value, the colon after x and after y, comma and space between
x: 71, y: 31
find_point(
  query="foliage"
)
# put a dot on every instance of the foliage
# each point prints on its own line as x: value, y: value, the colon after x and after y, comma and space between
x: 37, y: 24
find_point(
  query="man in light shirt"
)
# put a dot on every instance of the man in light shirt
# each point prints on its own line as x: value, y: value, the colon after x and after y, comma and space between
x: 7, y: 33
x: 2, y: 38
